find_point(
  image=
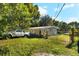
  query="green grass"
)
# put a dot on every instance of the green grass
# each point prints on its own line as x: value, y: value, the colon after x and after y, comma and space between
x: 28, y: 46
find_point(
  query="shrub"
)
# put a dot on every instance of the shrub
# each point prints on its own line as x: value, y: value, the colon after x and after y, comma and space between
x: 4, y: 50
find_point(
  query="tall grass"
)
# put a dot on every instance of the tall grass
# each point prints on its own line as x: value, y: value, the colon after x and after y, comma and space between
x: 28, y: 46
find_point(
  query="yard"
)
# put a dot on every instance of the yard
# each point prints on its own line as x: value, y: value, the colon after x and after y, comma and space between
x: 54, y: 45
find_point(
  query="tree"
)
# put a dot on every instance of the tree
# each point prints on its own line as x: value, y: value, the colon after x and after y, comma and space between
x: 64, y: 27
x: 55, y: 22
x: 45, y: 21
x: 17, y: 15
x: 33, y: 9
x: 36, y: 15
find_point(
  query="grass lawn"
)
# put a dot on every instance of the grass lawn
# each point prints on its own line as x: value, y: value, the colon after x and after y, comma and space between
x: 55, y: 45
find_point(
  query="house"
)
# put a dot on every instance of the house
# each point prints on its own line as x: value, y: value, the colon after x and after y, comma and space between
x: 50, y: 30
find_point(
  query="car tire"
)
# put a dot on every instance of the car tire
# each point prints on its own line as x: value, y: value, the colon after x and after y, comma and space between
x: 8, y: 36
x: 26, y: 36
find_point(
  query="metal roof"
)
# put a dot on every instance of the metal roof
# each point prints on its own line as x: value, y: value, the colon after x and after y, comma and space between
x: 44, y: 27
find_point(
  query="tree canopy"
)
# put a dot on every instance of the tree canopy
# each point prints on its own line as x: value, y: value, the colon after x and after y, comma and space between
x: 17, y: 15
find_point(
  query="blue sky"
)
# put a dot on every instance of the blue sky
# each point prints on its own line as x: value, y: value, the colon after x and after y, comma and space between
x: 69, y: 13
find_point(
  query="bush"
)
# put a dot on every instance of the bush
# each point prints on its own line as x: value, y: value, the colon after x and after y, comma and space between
x: 4, y: 50
x: 2, y: 35
x: 26, y: 47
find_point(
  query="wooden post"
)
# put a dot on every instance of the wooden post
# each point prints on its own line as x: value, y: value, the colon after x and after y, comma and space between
x: 40, y: 33
x: 78, y: 40
x: 71, y: 38
x: 72, y: 35
x: 78, y: 46
x: 46, y: 35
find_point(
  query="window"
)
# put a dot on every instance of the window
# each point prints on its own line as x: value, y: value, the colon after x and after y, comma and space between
x: 18, y: 30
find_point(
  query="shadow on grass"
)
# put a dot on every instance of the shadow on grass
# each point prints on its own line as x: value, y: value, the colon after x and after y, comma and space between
x: 69, y: 45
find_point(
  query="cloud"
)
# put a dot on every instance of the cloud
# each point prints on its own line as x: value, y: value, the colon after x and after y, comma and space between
x: 43, y: 10
x: 69, y: 6
x: 66, y: 6
x: 56, y: 9
x: 45, y: 7
x: 72, y: 19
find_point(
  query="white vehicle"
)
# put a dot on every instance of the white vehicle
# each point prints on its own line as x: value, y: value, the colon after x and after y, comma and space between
x: 18, y: 33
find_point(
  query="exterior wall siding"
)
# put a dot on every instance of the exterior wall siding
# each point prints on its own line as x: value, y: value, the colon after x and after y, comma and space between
x: 51, y: 31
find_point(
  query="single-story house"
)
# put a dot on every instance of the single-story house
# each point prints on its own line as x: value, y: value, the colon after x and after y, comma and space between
x: 50, y: 30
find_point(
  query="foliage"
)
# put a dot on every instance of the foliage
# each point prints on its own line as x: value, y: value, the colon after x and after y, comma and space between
x: 64, y: 27
x: 45, y: 21
x: 28, y: 46
x: 17, y: 16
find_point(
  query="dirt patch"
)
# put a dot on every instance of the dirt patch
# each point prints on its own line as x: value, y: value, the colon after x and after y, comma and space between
x: 42, y: 54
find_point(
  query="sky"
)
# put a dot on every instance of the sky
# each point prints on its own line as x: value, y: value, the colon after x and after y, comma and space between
x: 69, y: 13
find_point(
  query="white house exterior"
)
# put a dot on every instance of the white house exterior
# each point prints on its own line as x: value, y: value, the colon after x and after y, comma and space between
x: 50, y: 30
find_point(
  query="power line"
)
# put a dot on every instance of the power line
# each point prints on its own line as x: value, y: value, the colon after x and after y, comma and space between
x: 57, y: 8
x: 60, y: 11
